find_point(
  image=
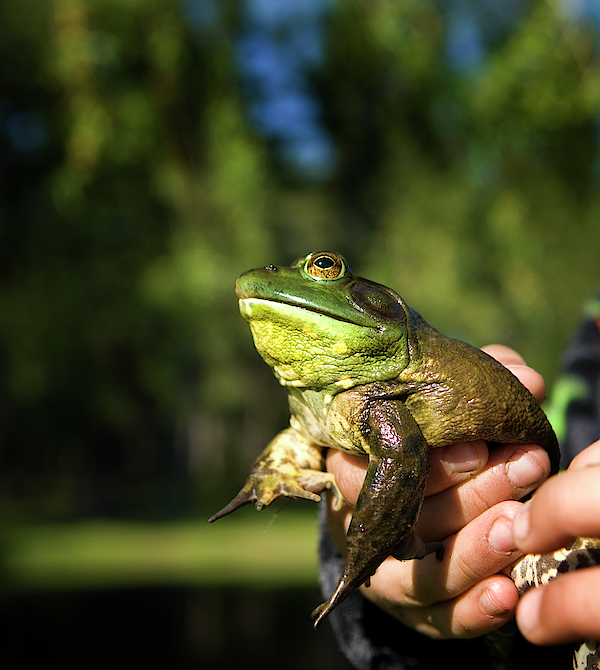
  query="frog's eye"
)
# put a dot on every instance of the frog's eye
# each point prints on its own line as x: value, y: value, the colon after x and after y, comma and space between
x: 325, y: 265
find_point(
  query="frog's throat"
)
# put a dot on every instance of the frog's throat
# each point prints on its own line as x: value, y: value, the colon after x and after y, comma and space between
x: 311, y: 349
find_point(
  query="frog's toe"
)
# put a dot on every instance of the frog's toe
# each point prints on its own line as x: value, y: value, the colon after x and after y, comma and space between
x: 319, y: 613
x: 311, y: 482
x: 294, y: 490
x: 243, y: 498
x: 338, y: 498
x: 342, y: 591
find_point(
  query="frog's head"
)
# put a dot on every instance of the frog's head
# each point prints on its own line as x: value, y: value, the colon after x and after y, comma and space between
x: 320, y: 326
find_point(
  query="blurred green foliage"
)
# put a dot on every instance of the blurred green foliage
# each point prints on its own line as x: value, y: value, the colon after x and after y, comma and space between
x: 136, y: 186
x: 101, y: 553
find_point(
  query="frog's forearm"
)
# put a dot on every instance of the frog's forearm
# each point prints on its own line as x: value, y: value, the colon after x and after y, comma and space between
x: 289, y: 466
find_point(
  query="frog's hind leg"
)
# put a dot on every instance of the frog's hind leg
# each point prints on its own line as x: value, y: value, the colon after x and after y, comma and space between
x: 389, y: 501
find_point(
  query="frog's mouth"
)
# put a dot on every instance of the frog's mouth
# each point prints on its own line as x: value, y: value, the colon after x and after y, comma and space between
x: 248, y: 302
x: 257, y: 294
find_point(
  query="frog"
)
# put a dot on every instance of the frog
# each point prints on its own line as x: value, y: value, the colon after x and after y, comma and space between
x: 366, y: 374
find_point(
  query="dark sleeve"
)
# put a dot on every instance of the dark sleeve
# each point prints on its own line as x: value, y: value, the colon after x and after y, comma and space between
x: 578, y: 387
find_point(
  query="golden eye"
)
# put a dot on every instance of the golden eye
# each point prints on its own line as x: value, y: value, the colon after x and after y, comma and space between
x: 325, y: 265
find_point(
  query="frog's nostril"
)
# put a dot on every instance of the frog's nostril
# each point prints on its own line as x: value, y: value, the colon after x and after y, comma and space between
x: 271, y: 268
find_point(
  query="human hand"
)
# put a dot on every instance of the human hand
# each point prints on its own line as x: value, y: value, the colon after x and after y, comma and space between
x: 566, y: 506
x: 469, y: 505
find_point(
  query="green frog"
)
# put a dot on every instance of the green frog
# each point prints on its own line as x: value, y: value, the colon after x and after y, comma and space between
x: 365, y: 373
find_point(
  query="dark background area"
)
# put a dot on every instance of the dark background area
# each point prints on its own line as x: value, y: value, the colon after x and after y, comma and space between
x: 178, y: 628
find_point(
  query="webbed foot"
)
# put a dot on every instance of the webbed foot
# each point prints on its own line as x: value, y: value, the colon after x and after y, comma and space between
x: 411, y: 547
x: 262, y: 488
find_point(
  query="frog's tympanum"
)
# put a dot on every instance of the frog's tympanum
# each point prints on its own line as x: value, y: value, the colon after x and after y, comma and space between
x: 366, y: 374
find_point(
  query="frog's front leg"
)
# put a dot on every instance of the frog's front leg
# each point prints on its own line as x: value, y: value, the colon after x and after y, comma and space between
x: 289, y: 466
x: 389, y: 501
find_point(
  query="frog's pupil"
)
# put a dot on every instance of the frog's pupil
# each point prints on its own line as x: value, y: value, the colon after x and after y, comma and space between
x: 324, y: 263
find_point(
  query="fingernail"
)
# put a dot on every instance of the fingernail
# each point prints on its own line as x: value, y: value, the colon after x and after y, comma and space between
x: 521, y: 523
x: 528, y: 611
x: 463, y: 457
x: 523, y: 470
x: 488, y: 605
x: 500, y: 536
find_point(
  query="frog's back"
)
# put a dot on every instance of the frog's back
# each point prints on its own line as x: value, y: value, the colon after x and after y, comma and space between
x: 463, y: 394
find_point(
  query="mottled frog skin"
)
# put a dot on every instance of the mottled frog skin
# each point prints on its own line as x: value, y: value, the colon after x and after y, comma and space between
x: 367, y: 374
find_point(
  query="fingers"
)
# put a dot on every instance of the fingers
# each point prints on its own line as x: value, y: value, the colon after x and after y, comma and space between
x: 563, y: 610
x: 454, y: 464
x: 449, y: 466
x: 504, y: 354
x: 512, y: 471
x: 565, y: 507
x: 531, y: 379
x: 349, y: 472
x: 587, y: 457
x: 462, y: 595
